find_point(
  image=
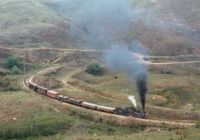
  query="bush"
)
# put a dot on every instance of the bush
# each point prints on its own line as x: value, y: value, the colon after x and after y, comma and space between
x: 10, y: 62
x: 198, y: 125
x: 95, y: 69
x: 15, y: 70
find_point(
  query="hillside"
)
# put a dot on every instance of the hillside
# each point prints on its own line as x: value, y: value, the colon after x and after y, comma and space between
x: 173, y: 30
x: 99, y: 69
x: 31, y: 23
x: 174, y: 27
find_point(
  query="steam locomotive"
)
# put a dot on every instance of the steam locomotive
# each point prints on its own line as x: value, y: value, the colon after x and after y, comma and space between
x: 128, y: 111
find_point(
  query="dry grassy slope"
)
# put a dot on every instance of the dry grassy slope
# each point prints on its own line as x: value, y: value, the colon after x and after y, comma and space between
x: 178, y: 13
x: 34, y: 23
x: 187, y: 10
x: 162, y: 43
x: 29, y: 22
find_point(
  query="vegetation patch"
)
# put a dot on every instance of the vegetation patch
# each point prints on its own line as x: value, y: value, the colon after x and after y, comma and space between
x: 48, y: 82
x: 198, y: 125
x: 42, y: 124
x: 108, y: 129
x: 12, y: 63
x: 95, y: 69
x: 8, y: 83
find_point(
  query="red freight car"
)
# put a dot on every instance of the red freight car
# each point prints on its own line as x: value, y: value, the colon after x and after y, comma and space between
x: 52, y: 94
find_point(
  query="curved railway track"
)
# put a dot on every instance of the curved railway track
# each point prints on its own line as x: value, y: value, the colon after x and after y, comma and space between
x: 118, y: 118
x: 107, y: 116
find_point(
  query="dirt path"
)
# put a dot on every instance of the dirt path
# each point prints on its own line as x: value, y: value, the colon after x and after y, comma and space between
x: 51, y: 49
x: 139, y: 56
x: 141, y: 59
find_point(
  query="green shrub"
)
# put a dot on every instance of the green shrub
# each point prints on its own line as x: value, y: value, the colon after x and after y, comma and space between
x: 10, y: 62
x: 95, y: 69
x: 15, y: 70
x: 198, y: 125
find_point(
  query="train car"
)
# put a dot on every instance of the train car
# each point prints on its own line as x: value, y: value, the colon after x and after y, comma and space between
x: 89, y: 105
x: 120, y: 111
x: 105, y: 109
x: 62, y: 97
x: 52, y: 94
x: 32, y: 86
x: 69, y: 100
x: 41, y: 90
x: 74, y: 101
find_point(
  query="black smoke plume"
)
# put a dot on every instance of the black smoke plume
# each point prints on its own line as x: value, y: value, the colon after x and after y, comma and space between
x: 122, y: 59
x: 142, y: 88
x: 97, y: 24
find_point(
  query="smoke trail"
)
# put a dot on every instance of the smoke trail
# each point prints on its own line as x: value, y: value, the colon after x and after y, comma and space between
x: 98, y: 23
x: 122, y: 59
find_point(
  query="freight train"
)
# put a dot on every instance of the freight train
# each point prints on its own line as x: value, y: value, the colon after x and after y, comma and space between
x: 128, y: 111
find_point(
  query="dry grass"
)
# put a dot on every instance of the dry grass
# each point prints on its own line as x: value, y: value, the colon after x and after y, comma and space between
x: 165, y: 90
x: 21, y: 26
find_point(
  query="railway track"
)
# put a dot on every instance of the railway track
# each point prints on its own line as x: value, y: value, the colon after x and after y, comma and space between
x: 117, y: 118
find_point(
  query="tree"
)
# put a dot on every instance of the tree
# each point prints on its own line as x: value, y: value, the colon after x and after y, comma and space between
x: 95, y: 69
x: 10, y: 62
